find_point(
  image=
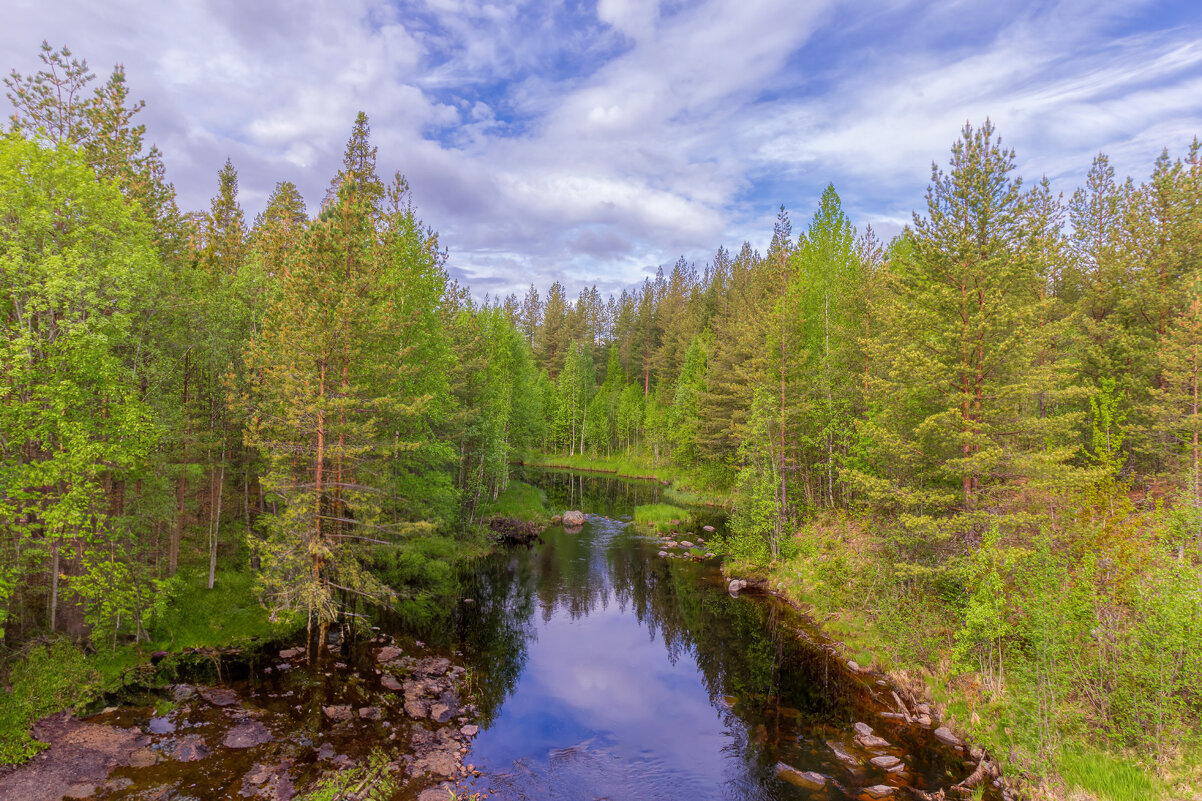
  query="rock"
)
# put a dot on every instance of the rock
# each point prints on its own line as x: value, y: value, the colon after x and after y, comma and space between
x: 944, y: 735
x: 440, y: 713
x: 189, y: 748
x: 388, y: 653
x: 433, y: 666
x: 924, y: 721
x: 417, y: 708
x: 686, y: 544
x: 390, y: 682
x: 735, y: 585
x: 556, y: 520
x: 469, y: 730
x: 893, y: 716
x: 436, y: 794
x: 871, y: 741
x: 370, y: 713
x: 663, y: 554
x: 842, y: 754
x: 887, y: 761
x: 862, y: 729
x: 142, y: 758
x: 853, y: 666
x: 219, y: 696
x: 708, y: 529
x: 326, y: 751
x: 289, y: 653
x: 573, y: 519
x: 709, y: 555
x: 878, y: 791
x: 247, y: 735
x: 182, y: 692
x: 808, y: 779
x: 338, y: 712
x: 439, y: 763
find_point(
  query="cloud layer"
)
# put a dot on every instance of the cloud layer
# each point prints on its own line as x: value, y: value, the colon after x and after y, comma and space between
x: 591, y: 142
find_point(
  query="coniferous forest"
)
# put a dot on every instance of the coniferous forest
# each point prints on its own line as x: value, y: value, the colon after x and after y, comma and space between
x: 971, y: 452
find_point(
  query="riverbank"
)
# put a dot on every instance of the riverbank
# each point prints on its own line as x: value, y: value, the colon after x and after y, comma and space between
x: 374, y: 720
x: 1047, y: 747
x: 683, y: 489
x: 972, y: 650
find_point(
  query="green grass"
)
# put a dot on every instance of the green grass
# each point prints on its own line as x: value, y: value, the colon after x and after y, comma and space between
x: 1107, y: 776
x: 520, y: 501
x: 55, y: 674
x: 660, y: 516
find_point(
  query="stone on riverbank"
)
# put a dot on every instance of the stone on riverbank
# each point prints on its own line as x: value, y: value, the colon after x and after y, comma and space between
x: 944, y: 735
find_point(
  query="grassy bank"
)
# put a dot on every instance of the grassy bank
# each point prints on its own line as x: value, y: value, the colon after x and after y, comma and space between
x: 686, y: 488
x: 520, y: 501
x: 662, y: 517
x: 1026, y: 682
x: 51, y: 674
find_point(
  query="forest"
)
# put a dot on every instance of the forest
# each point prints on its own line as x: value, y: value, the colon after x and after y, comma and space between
x: 973, y: 450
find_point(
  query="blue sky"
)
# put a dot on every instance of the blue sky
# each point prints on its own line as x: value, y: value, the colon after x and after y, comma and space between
x: 593, y: 141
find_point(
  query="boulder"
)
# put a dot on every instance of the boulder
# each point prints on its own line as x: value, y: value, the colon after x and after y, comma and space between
x: 686, y: 544
x: 808, y: 779
x: 370, y: 713
x: 247, y: 735
x: 878, y: 791
x: 944, y: 735
x: 219, y: 696
x: 842, y: 754
x: 433, y: 666
x: 871, y: 741
x: 388, y: 653
x: 887, y: 761
x: 735, y: 585
x: 708, y: 529
x: 390, y: 683
x: 862, y: 729
x: 289, y: 653
x: 469, y: 730
x: 338, y: 712
x: 573, y: 519
x: 663, y: 554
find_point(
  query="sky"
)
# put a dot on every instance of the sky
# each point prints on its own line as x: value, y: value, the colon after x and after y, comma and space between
x: 592, y: 142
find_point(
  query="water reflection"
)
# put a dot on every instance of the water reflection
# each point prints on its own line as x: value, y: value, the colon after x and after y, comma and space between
x: 606, y: 672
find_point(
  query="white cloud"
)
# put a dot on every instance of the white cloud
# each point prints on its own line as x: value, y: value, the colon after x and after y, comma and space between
x: 544, y: 141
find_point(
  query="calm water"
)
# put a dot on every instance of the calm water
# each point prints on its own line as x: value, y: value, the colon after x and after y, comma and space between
x: 610, y: 673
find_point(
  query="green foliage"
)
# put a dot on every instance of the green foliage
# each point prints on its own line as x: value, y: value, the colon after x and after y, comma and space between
x: 44, y: 679
x: 371, y: 782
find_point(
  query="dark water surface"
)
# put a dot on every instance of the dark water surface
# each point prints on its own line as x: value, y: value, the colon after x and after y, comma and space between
x: 607, y: 672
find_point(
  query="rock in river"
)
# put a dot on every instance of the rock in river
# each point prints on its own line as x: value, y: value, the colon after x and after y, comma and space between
x: 807, y: 779
x: 247, y: 735
x: 573, y: 519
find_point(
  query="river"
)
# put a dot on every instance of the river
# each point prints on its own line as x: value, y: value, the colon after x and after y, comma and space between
x: 613, y: 673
